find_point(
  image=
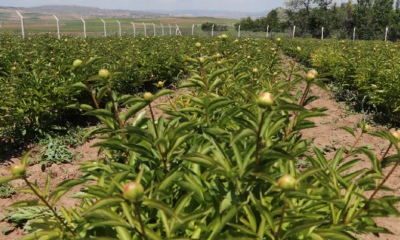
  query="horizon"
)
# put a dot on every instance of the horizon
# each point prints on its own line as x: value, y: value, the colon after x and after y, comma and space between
x: 255, y: 6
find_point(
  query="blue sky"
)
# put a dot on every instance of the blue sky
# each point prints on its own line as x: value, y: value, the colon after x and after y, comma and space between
x: 228, y: 5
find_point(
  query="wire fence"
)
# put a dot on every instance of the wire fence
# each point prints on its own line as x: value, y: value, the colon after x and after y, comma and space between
x: 97, y: 30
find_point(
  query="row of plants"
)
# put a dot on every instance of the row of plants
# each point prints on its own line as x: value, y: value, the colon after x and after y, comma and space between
x: 369, y: 70
x: 219, y: 164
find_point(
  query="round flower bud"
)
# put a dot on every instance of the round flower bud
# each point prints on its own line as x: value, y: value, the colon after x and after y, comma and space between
x: 265, y: 100
x: 77, y: 63
x: 366, y: 128
x: 278, y: 40
x: 13, y: 68
x: 396, y: 135
x: 310, y: 76
x: 287, y: 183
x: 275, y: 73
x: 202, y: 60
x: 133, y: 191
x: 18, y: 169
x: 104, y: 73
x: 314, y: 71
x: 224, y: 37
x: 298, y: 49
x: 198, y: 45
x: 148, y: 96
x: 255, y: 70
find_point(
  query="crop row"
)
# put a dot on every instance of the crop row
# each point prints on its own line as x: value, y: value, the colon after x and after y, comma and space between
x: 369, y: 69
x: 36, y: 73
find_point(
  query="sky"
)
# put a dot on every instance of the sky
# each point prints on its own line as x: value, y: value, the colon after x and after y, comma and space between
x: 136, y: 5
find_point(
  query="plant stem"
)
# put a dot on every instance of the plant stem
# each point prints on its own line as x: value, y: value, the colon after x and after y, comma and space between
x: 281, y: 221
x: 159, y: 148
x: 257, y: 150
x: 140, y: 220
x: 351, y: 149
x: 387, y: 151
x: 375, y: 192
x: 48, y: 205
x: 227, y: 54
x: 90, y: 89
x: 115, y: 107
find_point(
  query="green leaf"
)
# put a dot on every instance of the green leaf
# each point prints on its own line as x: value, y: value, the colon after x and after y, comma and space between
x: 80, y: 86
x: 29, y: 203
x: 163, y: 207
x: 107, y: 201
x: 349, y: 130
x: 107, y: 223
x: 25, y: 157
x: 100, y: 112
x: 80, y: 106
x: 223, y: 219
x: 192, y: 110
x: 241, y: 135
x: 162, y: 93
x: 5, y: 179
x: 133, y: 110
x: 302, y: 227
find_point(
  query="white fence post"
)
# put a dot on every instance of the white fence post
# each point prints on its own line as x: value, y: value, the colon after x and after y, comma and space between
x: 134, y: 29
x: 145, y: 34
x: 239, y: 31
x: 154, y: 26
x: 212, y: 31
x: 169, y: 29
x: 192, y: 29
x: 294, y: 30
x: 162, y: 29
x: 22, y: 25
x: 105, y: 29
x: 322, y: 34
x: 267, y: 30
x: 177, y: 30
x: 354, y: 34
x: 84, y: 27
x: 58, y: 27
x: 386, y: 33
x: 119, y: 24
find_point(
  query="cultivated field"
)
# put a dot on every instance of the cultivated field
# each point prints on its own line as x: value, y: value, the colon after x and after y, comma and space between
x: 198, y: 138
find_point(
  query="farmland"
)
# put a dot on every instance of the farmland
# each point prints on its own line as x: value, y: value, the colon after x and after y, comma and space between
x: 197, y: 138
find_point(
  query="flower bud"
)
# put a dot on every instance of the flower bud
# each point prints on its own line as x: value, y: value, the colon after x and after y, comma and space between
x: 77, y: 63
x: 224, y: 37
x: 104, y: 73
x: 310, y: 76
x: 255, y: 70
x: 198, y: 45
x: 278, y: 40
x: 366, y: 128
x: 18, y: 169
x: 265, y: 100
x: 287, y: 183
x: 298, y: 49
x: 202, y: 60
x: 148, y: 96
x: 133, y: 191
x: 314, y: 71
x: 396, y: 135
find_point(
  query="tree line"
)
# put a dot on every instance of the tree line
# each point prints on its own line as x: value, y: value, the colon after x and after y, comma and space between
x: 370, y: 18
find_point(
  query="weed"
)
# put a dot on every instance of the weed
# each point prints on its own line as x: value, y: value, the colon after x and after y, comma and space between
x: 6, y: 190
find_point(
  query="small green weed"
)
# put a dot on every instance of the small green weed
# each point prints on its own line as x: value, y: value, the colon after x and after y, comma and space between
x: 6, y: 190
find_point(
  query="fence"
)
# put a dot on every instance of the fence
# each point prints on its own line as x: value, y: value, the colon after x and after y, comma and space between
x: 150, y: 29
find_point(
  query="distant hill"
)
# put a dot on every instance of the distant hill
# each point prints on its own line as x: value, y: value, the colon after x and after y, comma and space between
x: 210, y: 13
x: 71, y: 12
